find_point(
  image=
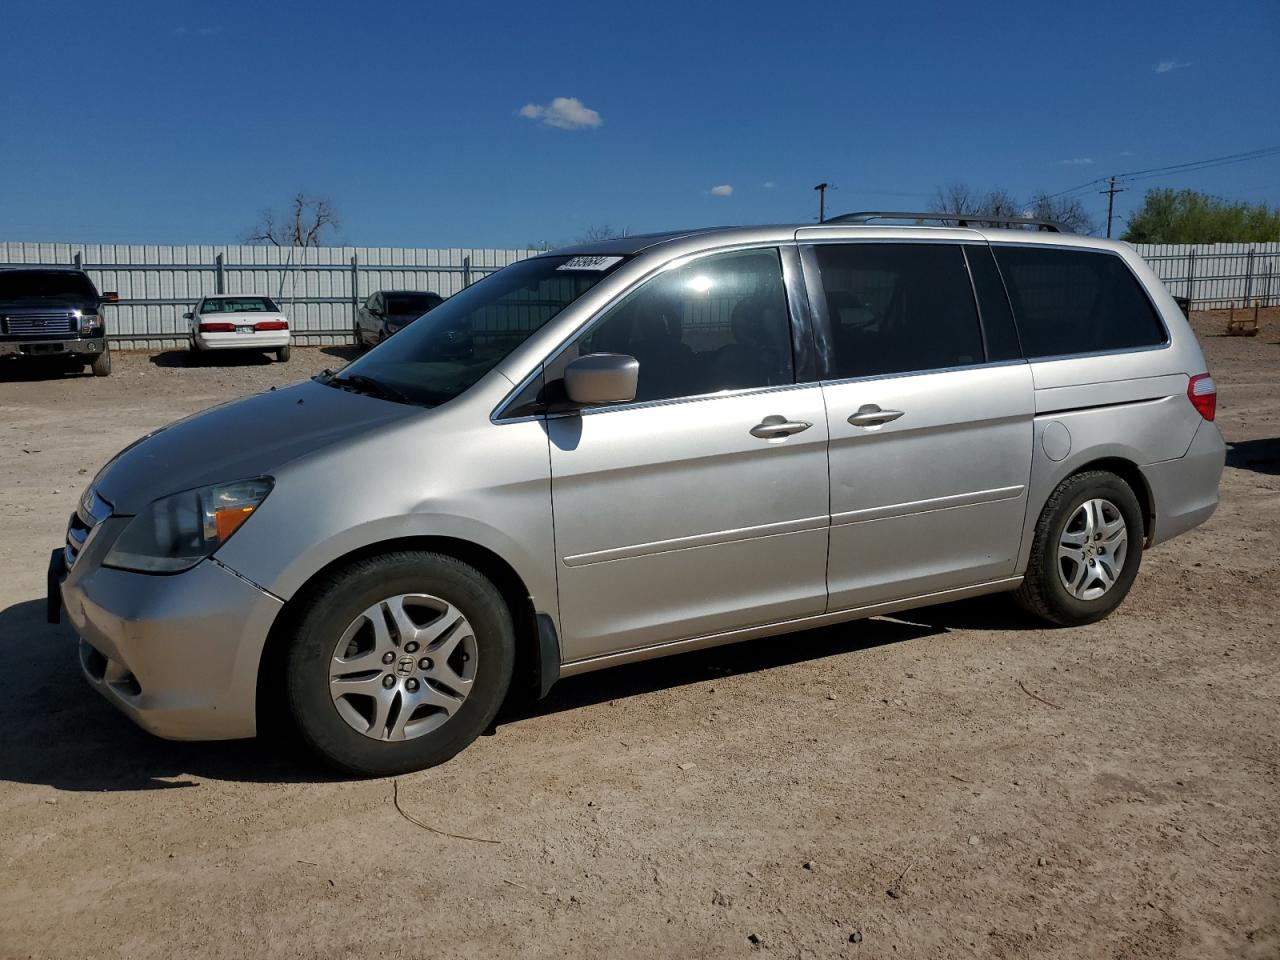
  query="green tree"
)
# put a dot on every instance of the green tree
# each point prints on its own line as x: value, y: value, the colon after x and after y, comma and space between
x: 1186, y: 216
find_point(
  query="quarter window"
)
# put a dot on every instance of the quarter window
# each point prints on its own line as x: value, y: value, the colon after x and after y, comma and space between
x: 1076, y: 301
x: 898, y: 307
x: 719, y: 323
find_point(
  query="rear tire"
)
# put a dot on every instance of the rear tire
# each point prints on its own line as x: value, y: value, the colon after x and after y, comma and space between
x: 101, y: 365
x: 352, y: 734
x: 1086, y: 551
x: 284, y: 353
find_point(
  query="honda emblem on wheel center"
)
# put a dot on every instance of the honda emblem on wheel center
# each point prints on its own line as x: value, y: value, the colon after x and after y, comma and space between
x: 405, y: 666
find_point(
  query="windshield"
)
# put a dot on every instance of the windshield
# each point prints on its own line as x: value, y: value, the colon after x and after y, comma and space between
x: 444, y: 352
x: 45, y: 283
x: 238, y: 305
x: 401, y: 303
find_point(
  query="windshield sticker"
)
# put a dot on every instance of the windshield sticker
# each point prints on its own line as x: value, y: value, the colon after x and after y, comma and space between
x: 589, y: 263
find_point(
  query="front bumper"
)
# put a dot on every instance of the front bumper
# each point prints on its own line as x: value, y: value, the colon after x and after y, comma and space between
x: 178, y: 654
x: 87, y: 347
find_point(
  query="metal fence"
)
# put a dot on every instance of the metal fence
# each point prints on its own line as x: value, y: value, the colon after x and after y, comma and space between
x: 320, y: 288
x: 1217, y: 275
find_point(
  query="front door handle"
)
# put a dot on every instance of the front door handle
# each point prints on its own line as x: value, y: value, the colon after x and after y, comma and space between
x: 776, y: 427
x: 870, y: 415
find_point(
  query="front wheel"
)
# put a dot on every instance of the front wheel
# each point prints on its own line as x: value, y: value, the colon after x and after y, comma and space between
x: 101, y: 365
x: 1086, y: 551
x: 398, y: 662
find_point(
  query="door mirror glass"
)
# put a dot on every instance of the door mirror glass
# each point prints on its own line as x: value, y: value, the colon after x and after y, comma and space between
x: 601, y: 378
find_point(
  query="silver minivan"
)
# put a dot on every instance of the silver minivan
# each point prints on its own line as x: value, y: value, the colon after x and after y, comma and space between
x: 654, y: 444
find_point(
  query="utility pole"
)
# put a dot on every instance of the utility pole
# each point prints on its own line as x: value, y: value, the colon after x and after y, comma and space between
x: 822, y: 201
x: 1111, y: 192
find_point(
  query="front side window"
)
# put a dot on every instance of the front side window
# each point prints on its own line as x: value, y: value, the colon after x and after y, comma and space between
x: 718, y: 323
x: 898, y: 307
x: 239, y: 305
x: 441, y: 354
x: 1076, y: 301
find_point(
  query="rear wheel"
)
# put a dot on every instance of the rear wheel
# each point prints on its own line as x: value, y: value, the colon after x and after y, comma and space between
x: 1086, y: 551
x: 284, y: 353
x: 398, y: 662
x: 101, y: 365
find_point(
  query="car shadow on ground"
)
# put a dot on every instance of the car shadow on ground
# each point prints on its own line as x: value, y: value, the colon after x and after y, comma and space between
x: 28, y: 370
x: 212, y: 358
x: 344, y: 352
x: 55, y: 731
x: 1260, y: 456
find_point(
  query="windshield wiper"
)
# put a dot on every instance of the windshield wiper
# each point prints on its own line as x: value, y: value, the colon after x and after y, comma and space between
x: 359, y: 383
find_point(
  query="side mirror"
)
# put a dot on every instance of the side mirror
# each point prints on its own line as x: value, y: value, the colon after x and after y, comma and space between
x: 188, y: 315
x: 112, y: 297
x: 600, y: 378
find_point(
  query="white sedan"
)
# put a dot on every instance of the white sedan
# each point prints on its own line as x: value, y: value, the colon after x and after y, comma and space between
x: 239, y: 322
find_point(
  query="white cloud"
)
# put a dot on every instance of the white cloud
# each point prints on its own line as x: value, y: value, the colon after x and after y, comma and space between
x: 1164, y: 66
x: 1077, y: 161
x: 768, y: 184
x: 723, y: 190
x: 567, y: 113
x: 1126, y: 153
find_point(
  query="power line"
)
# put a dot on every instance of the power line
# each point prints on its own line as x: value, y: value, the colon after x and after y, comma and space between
x: 1188, y: 167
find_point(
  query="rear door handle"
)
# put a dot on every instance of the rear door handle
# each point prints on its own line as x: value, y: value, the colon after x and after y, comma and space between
x: 870, y: 415
x: 776, y: 427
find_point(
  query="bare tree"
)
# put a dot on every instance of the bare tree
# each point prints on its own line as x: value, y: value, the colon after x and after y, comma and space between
x: 594, y: 233
x: 1068, y: 211
x: 307, y: 222
x: 959, y: 198
x: 955, y: 198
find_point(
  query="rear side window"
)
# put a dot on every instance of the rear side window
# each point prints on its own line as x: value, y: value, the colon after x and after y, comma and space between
x: 898, y: 307
x: 1076, y: 301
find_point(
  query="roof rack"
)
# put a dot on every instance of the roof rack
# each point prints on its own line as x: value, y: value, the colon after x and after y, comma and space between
x: 962, y: 219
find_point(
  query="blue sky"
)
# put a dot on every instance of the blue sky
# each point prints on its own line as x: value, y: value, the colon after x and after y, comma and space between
x: 438, y: 124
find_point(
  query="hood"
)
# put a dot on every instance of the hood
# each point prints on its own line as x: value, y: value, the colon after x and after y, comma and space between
x: 245, y: 438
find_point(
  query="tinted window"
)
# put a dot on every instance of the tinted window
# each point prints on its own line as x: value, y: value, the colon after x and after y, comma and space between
x: 719, y: 323
x: 410, y: 303
x: 1076, y: 301
x: 445, y: 351
x: 45, y: 283
x: 898, y: 307
x: 1000, y: 334
x: 238, y: 305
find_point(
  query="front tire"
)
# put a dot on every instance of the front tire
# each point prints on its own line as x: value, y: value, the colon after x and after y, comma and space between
x: 101, y: 365
x: 398, y: 662
x: 1086, y: 551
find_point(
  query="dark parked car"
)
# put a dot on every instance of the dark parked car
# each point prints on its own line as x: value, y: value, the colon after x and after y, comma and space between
x: 388, y: 311
x: 54, y: 313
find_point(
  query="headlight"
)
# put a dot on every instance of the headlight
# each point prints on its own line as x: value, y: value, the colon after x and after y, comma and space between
x: 177, y: 532
x: 87, y: 321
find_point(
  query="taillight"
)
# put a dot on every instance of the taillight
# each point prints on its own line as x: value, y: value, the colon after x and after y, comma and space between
x: 217, y: 328
x: 1203, y: 394
x: 271, y: 325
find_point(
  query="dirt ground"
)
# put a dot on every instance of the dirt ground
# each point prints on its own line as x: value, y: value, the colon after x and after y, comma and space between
x: 953, y: 782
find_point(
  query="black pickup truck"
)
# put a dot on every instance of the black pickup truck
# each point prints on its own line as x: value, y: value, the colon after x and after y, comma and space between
x: 54, y: 313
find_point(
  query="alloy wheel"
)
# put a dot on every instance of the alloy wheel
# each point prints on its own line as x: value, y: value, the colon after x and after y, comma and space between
x: 403, y: 667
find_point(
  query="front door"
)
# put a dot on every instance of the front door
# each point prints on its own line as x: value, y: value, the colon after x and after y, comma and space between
x: 930, y: 423
x: 702, y: 506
